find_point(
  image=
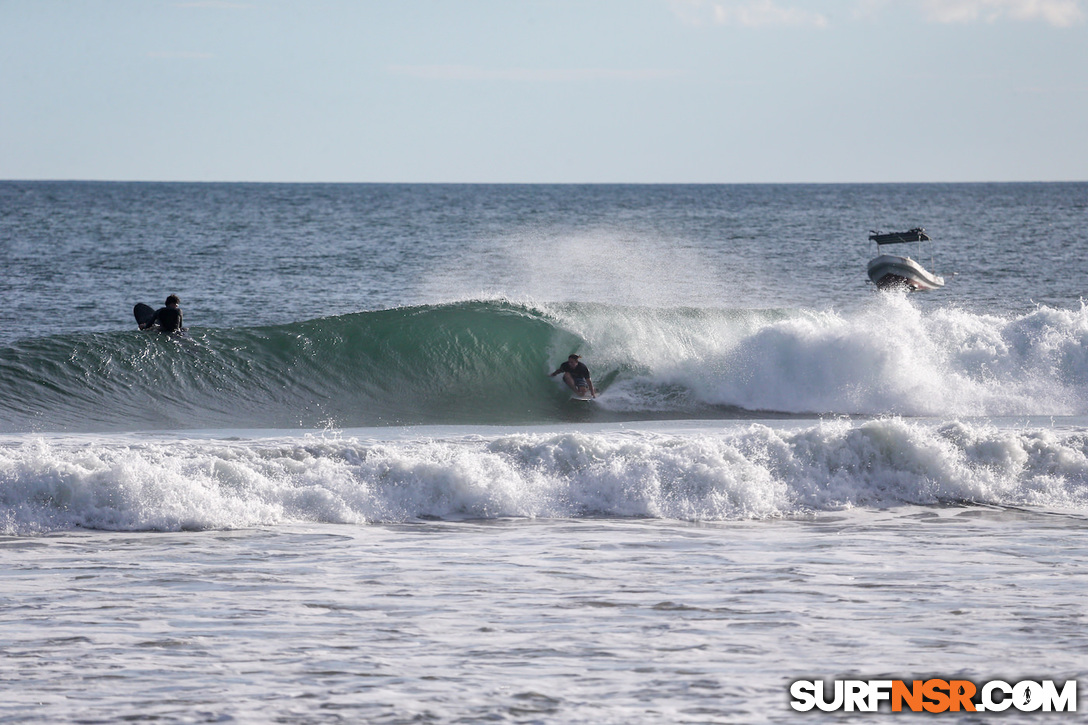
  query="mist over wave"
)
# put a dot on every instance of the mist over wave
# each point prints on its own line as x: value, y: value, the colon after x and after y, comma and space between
x: 746, y: 472
x: 485, y: 362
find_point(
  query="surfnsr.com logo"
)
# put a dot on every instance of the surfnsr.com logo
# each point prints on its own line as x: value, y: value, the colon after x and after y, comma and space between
x: 934, y: 695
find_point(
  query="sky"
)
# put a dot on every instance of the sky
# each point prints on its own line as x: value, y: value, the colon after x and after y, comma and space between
x: 544, y: 91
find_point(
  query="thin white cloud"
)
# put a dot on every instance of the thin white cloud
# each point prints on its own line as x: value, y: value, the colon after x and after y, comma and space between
x: 475, y: 73
x: 764, y: 13
x: 179, y: 55
x: 869, y: 9
x: 771, y: 13
x: 217, y: 4
x: 1060, y: 13
x: 746, y: 13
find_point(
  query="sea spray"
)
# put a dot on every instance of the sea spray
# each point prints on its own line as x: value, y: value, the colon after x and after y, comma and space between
x: 739, y: 472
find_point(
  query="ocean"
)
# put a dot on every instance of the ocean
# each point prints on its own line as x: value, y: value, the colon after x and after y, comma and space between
x: 351, y: 492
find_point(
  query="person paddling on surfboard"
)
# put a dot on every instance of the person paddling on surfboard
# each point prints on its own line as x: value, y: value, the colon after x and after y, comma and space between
x: 168, y: 317
x: 576, y: 376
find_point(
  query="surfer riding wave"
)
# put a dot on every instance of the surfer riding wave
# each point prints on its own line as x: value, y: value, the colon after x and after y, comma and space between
x: 576, y: 376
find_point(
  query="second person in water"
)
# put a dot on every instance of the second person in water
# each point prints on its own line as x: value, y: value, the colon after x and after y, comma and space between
x: 168, y: 318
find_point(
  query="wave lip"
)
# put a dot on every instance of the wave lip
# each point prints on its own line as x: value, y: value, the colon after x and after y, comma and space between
x: 746, y: 472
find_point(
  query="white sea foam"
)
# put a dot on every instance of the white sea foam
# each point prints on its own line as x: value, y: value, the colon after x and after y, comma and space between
x: 741, y: 472
x: 887, y: 358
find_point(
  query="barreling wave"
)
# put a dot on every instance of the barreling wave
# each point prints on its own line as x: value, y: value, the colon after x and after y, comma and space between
x: 468, y: 362
x: 484, y: 362
x: 744, y: 471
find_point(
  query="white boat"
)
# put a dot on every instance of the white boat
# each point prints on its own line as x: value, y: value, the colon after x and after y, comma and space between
x: 890, y: 270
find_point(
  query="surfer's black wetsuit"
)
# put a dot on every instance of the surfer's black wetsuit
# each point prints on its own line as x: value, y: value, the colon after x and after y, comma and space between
x: 579, y: 372
x: 576, y: 371
x: 169, y: 319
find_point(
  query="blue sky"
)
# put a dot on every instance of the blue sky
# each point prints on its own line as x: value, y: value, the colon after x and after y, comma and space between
x: 544, y: 90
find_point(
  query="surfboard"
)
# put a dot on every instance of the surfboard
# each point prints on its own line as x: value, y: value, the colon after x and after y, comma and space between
x: 583, y: 398
x: 144, y: 314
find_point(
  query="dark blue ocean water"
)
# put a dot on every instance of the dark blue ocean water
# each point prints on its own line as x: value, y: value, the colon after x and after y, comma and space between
x: 76, y: 256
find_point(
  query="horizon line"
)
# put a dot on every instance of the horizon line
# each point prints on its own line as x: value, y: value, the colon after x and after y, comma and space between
x: 536, y: 183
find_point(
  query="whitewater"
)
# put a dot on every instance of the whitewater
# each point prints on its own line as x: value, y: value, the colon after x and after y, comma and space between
x: 352, y: 493
x: 689, y: 473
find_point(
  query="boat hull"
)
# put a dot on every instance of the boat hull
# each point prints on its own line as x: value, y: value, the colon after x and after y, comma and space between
x: 890, y: 271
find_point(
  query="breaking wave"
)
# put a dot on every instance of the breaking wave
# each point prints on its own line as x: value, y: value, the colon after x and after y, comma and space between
x: 485, y: 362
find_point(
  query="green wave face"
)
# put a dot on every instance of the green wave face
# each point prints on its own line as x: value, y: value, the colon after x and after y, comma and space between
x: 471, y: 362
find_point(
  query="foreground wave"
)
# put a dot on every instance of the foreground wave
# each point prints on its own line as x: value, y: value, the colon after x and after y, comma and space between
x: 484, y: 362
x: 746, y: 472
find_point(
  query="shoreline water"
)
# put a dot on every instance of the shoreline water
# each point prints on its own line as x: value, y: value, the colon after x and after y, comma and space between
x: 608, y: 620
